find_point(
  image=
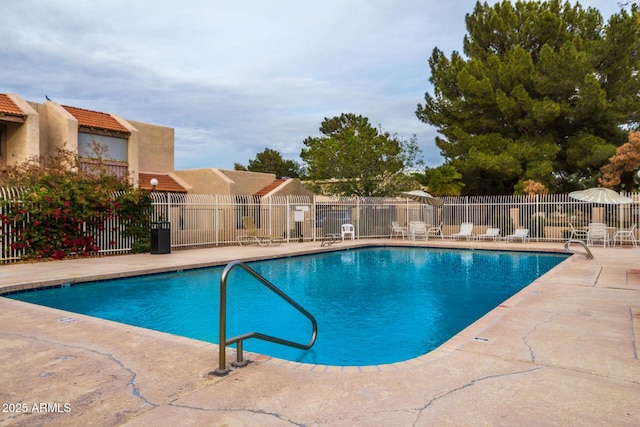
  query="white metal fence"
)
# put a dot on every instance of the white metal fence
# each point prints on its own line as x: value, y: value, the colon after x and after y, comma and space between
x: 548, y: 217
x: 199, y: 220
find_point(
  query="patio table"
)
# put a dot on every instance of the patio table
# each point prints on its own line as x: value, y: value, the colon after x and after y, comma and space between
x: 411, y: 233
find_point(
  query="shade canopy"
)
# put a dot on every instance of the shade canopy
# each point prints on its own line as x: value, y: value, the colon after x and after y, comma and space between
x: 600, y: 195
x: 422, y: 197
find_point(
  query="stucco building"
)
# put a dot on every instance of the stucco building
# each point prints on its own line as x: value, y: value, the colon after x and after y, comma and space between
x: 136, y: 150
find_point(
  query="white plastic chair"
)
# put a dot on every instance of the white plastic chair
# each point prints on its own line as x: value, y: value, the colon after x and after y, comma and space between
x: 626, y: 235
x: 578, y: 234
x: 597, y: 233
x: 520, y: 233
x: 397, y: 230
x: 435, y: 231
x: 347, y: 229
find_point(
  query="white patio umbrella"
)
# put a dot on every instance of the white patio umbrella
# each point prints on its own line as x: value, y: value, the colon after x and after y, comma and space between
x: 423, y: 197
x: 600, y: 195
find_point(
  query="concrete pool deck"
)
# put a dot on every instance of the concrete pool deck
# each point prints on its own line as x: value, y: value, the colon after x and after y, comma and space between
x: 563, y: 351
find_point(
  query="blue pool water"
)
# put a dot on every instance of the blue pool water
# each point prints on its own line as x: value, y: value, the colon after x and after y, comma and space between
x: 373, y: 305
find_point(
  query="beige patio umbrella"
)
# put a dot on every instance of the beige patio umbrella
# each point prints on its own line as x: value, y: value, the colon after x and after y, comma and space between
x: 600, y: 195
x: 423, y: 197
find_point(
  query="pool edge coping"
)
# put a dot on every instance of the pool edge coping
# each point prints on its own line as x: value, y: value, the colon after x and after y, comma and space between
x: 463, y: 337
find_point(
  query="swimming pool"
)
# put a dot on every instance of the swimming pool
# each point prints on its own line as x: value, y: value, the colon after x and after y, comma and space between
x: 373, y: 305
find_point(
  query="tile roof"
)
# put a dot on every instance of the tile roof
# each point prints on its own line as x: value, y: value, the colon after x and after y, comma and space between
x: 165, y: 182
x: 96, y: 120
x: 9, y: 108
x: 269, y: 188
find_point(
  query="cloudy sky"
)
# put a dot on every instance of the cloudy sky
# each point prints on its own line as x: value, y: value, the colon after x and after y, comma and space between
x: 235, y: 77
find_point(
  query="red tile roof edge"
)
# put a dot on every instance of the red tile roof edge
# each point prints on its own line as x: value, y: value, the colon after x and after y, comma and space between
x: 269, y: 188
x: 10, y: 108
x: 165, y: 183
x: 96, y: 119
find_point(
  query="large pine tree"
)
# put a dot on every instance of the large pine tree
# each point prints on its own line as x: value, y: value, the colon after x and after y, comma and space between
x: 545, y: 91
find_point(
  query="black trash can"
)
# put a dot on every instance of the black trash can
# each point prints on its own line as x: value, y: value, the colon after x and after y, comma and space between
x: 160, y: 237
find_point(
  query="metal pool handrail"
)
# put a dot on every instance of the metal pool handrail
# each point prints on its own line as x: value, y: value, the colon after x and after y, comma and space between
x: 587, y: 252
x: 222, y: 370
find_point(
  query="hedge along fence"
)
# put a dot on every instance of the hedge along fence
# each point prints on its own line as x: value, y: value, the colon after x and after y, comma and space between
x: 43, y: 224
x: 200, y: 220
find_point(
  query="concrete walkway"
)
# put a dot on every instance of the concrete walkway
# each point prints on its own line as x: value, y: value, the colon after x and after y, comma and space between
x: 563, y: 351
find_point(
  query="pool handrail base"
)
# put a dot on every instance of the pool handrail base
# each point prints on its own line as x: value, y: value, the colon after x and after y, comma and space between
x: 224, y: 342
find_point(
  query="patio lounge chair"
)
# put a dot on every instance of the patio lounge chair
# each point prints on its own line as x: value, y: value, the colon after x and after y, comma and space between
x: 466, y: 230
x: 252, y: 234
x: 626, y: 235
x: 435, y: 231
x: 520, y: 233
x: 597, y: 232
x: 418, y: 229
x: 397, y: 230
x: 491, y: 233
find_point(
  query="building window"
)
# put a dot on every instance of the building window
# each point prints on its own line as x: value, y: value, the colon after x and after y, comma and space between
x: 103, y: 153
x: 116, y: 148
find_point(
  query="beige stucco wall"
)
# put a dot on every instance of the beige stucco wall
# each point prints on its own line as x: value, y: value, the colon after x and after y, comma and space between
x: 225, y: 182
x: 156, y: 143
x: 23, y: 139
x: 133, y: 149
x: 248, y: 183
x: 58, y: 129
x: 222, y: 181
x: 184, y: 184
x: 293, y: 187
x: 205, y: 181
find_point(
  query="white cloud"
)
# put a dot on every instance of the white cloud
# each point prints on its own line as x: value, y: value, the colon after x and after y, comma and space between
x: 233, y: 78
